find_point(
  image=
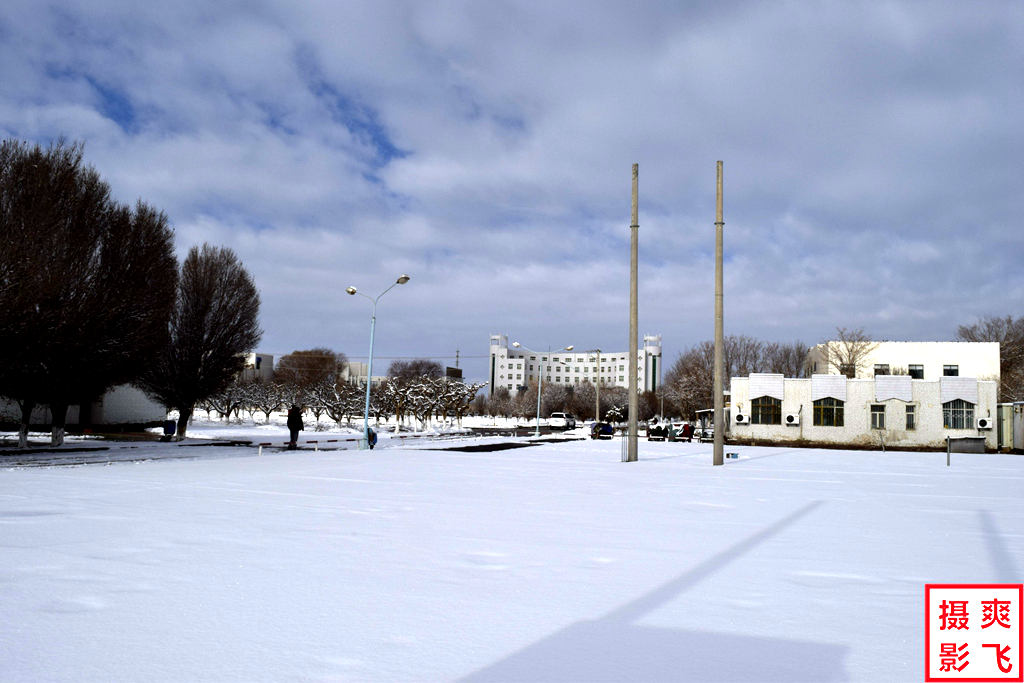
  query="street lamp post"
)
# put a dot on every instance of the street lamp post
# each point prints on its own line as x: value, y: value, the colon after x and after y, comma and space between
x: 540, y: 378
x: 402, y: 279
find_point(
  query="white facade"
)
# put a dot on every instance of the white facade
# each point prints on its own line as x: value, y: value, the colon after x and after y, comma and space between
x: 258, y: 366
x: 354, y: 372
x: 513, y: 368
x: 889, y: 410
x: 921, y: 360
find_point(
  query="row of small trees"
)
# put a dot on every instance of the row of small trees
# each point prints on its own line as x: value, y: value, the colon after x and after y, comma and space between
x: 91, y: 295
x: 578, y: 399
x: 419, y: 398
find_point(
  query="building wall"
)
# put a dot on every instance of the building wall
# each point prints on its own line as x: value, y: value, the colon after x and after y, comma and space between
x: 512, y: 368
x: 856, y: 430
x: 354, y: 372
x: 258, y: 366
x: 974, y: 359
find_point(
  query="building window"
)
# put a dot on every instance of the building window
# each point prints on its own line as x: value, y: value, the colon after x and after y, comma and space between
x: 881, y: 369
x: 916, y: 371
x: 911, y: 418
x: 828, y: 412
x: 848, y: 369
x: 878, y: 416
x: 958, y: 414
x: 621, y: 368
x: 621, y: 378
x: 544, y: 358
x: 766, y: 410
x: 950, y: 370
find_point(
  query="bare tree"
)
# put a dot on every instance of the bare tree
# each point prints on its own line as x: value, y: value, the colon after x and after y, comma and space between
x: 743, y: 355
x: 410, y: 370
x: 306, y: 368
x: 479, y: 405
x: 86, y: 284
x: 787, y: 359
x: 500, y: 403
x: 228, y: 400
x: 689, y: 382
x: 848, y: 353
x: 582, y: 402
x: 1009, y: 332
x: 213, y: 323
x: 266, y: 397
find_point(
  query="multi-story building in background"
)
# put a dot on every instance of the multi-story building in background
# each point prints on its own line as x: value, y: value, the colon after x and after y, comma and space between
x: 516, y: 368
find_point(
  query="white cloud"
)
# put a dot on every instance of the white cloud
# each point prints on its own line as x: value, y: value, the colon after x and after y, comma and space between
x: 872, y: 158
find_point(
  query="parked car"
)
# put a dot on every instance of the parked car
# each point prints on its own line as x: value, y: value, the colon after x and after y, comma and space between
x: 705, y: 434
x: 562, y: 421
x: 657, y: 432
x: 602, y: 430
x: 682, y: 431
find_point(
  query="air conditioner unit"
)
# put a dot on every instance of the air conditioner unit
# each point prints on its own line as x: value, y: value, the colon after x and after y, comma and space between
x: 742, y: 419
x: 984, y: 422
x: 792, y: 419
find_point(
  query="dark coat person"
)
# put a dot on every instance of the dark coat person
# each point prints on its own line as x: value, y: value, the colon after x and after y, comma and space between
x: 294, y: 425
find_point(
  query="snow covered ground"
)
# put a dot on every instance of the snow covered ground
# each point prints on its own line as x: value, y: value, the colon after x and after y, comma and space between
x: 552, y: 562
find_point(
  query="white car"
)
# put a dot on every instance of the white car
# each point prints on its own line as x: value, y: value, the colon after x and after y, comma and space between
x: 562, y: 421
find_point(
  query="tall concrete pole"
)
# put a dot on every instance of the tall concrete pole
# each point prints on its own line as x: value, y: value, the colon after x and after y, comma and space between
x: 597, y: 390
x: 634, y: 405
x: 719, y: 336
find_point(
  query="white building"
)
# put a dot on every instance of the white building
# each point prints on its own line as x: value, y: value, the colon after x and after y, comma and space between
x: 920, y: 360
x: 354, y: 372
x: 894, y: 410
x: 515, y: 368
x: 259, y: 366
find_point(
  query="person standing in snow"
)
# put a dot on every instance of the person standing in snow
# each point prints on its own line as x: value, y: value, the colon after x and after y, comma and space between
x: 294, y: 425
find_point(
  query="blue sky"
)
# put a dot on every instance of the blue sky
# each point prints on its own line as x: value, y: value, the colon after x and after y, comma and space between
x: 873, y: 159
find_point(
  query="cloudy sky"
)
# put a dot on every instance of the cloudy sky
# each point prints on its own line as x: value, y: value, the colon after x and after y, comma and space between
x: 874, y: 159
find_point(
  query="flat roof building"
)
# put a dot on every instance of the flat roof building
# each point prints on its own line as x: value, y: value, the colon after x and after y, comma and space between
x: 920, y: 360
x: 515, y: 368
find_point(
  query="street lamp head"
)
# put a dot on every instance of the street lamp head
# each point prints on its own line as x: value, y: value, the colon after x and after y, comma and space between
x: 570, y: 347
x: 350, y: 290
x: 402, y: 279
x: 516, y: 344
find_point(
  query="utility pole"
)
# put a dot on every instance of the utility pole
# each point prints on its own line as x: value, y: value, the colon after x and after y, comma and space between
x: 634, y: 228
x: 718, y: 457
x: 456, y: 358
x: 597, y: 390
